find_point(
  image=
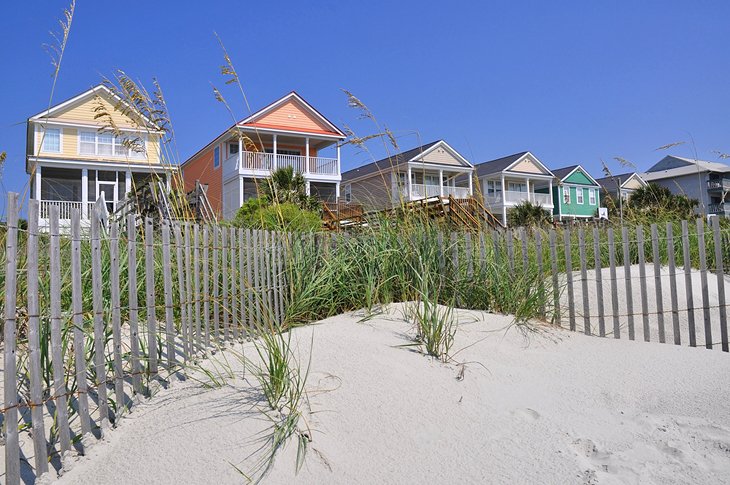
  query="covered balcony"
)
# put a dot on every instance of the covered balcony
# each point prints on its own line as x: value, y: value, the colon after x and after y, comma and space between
x: 533, y: 190
x: 425, y: 184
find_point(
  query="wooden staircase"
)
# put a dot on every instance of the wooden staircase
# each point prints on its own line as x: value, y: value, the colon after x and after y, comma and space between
x: 341, y: 215
x: 472, y: 213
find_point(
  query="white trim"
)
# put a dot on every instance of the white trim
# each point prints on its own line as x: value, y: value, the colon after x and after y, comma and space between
x: 78, y: 124
x: 563, y: 195
x: 43, y: 139
x: 592, y: 195
x: 283, y: 100
x: 537, y: 160
x: 102, y: 165
x: 584, y: 173
x: 256, y: 129
x: 37, y: 182
x: 580, y: 200
x: 441, y: 143
x: 85, y: 94
x: 643, y: 182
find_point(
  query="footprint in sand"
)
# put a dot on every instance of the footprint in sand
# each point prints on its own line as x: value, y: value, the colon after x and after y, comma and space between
x: 527, y: 414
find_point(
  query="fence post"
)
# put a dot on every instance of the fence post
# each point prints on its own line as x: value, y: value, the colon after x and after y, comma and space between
x: 206, y: 284
x: 59, y: 374
x: 540, y: 278
x: 179, y: 256
x: 78, y: 323
x: 556, y: 287
x: 224, y: 285
x: 569, y: 278
x: 188, y: 323
x: 10, y: 379
x: 673, y: 284
x: 116, y: 318
x: 196, y: 286
x: 659, y: 295
x: 614, y: 283
x: 688, y: 285
x: 642, y: 282
x: 250, y: 297
x: 703, y: 282
x: 720, y: 272
x: 98, y: 307
x: 133, y: 304
x: 34, y: 358
x: 233, y: 296
x: 216, y: 283
x: 584, y: 281
x: 167, y: 284
x: 242, y: 282
x: 149, y: 264
x: 599, y: 280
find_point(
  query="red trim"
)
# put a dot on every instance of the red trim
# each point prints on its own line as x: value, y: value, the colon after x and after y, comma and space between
x: 291, y: 129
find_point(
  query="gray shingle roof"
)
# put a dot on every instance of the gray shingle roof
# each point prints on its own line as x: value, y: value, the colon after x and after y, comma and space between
x: 387, y: 163
x: 610, y: 183
x: 496, y: 166
x: 561, y: 173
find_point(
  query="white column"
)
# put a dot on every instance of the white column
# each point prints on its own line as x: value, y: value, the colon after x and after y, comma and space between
x: 550, y: 189
x: 168, y: 182
x: 471, y: 184
x: 84, y: 191
x: 410, y: 189
x: 306, y: 160
x: 504, y: 203
x: 441, y: 182
x: 309, y: 192
x: 275, y: 157
x: 128, y: 182
x: 240, y: 154
x: 240, y: 188
x: 529, y: 196
x: 338, y: 159
x: 337, y: 191
x: 37, y: 182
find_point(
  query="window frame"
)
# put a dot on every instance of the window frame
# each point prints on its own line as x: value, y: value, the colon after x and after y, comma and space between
x: 348, y: 193
x: 44, y: 133
x: 117, y: 141
x: 592, y: 197
x: 216, y: 157
x: 566, y: 194
x: 580, y: 195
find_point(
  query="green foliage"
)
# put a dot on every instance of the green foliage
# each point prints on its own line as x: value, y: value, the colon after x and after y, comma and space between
x: 257, y: 214
x: 655, y: 203
x: 527, y: 214
x: 287, y: 186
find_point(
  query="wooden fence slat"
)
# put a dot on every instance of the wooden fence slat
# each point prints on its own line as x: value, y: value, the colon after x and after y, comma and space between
x: 78, y: 323
x: 232, y: 281
x: 114, y: 293
x: 242, y: 282
x: 598, y: 266
x: 540, y: 271
x: 688, y: 285
x: 483, y: 250
x: 179, y: 256
x: 206, y: 285
x: 556, y: 286
x: 468, y: 250
x: 642, y: 283
x: 703, y: 282
x: 510, y: 250
x: 584, y: 281
x: 628, y: 283
x: 275, y: 277
x: 266, y: 261
x: 149, y: 270
x: 133, y: 304
x: 720, y: 272
x: 614, y: 283
x: 224, y: 285
x: 98, y: 307
x: 167, y: 285
x: 525, y: 253
x: 659, y: 294
x: 196, y: 285
x: 256, y: 277
x: 569, y: 278
x: 34, y: 343
x: 59, y: 374
x: 10, y: 376
x: 441, y: 251
x: 249, y: 279
x: 188, y: 323
x: 216, y: 283
x: 673, y: 284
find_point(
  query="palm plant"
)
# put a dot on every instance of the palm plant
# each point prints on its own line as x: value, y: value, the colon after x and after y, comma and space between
x: 284, y: 186
x: 527, y: 214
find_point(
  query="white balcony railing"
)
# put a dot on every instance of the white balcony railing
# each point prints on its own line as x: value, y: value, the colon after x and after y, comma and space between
x: 257, y: 161
x: 65, y: 208
x: 513, y: 197
x: 421, y: 191
x: 542, y: 199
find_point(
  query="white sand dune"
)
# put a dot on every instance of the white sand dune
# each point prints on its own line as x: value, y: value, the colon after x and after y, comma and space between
x: 555, y: 407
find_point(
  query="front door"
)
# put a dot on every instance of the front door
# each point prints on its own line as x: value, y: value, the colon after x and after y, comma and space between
x: 109, y: 189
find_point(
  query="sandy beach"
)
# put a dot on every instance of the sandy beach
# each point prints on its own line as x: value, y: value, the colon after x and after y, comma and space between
x: 550, y: 406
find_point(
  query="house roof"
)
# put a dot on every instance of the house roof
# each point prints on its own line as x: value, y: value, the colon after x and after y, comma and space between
x: 499, y: 164
x: 395, y: 160
x: 612, y: 182
x: 564, y: 173
x: 681, y: 166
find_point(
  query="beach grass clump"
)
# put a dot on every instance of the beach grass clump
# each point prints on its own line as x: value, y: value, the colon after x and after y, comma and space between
x: 435, y: 324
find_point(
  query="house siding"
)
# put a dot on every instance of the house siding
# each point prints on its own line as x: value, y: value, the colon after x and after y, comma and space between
x: 70, y: 148
x: 573, y: 208
x: 693, y: 186
x: 373, y: 192
x: 201, y: 168
x: 292, y: 116
x: 441, y: 156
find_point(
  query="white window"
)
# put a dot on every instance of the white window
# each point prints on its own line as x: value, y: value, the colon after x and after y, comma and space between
x: 592, y: 196
x: 431, y: 180
x: 52, y: 140
x: 104, y: 143
x: 566, y: 195
x: 216, y: 157
x: 579, y: 195
x: 87, y: 143
x: 232, y: 148
x: 348, y: 193
x: 517, y: 187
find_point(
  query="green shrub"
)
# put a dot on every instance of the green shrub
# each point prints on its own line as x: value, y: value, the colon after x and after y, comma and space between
x: 257, y: 214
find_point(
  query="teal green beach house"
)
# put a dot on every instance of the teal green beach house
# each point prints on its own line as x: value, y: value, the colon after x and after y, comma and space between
x: 576, y: 194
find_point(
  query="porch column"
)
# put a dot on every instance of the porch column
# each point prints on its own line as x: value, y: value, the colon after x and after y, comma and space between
x: 306, y: 142
x: 84, y: 191
x: 410, y: 190
x: 37, y: 184
x: 338, y: 158
x: 275, y: 157
x: 471, y: 184
x: 309, y: 191
x: 240, y: 154
x: 168, y: 182
x: 441, y: 182
x: 337, y: 191
x: 127, y: 183
x: 504, y: 203
x: 550, y: 191
x: 240, y: 189
x: 530, y: 197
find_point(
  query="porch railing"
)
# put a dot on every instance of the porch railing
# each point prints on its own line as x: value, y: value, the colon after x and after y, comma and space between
x: 515, y: 197
x: 265, y: 161
x: 419, y: 191
x: 65, y: 208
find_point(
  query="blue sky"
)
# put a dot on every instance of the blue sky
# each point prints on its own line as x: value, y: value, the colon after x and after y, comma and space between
x: 571, y: 81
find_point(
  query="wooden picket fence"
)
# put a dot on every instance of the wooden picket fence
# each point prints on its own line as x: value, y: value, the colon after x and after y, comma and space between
x: 115, y: 311
x: 64, y: 375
